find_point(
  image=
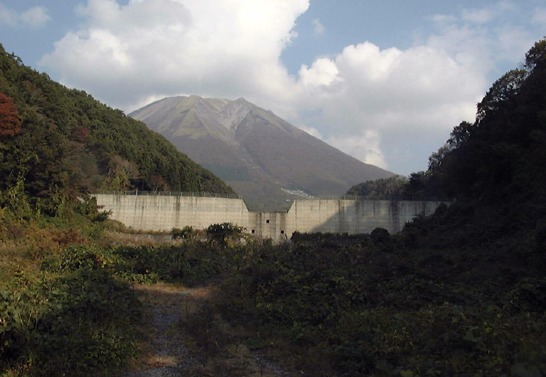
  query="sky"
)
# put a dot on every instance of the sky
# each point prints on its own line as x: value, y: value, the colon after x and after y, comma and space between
x: 384, y: 81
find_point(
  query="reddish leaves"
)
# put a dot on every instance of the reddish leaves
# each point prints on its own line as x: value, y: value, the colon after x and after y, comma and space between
x: 10, y: 123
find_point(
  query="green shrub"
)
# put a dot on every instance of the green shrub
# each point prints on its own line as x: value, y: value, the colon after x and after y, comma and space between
x: 340, y: 305
x: 187, y: 233
x: 74, y: 318
x: 222, y: 235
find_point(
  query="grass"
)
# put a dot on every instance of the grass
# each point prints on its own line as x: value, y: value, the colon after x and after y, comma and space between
x: 327, y: 305
x: 181, y: 332
x: 161, y: 344
x: 58, y: 318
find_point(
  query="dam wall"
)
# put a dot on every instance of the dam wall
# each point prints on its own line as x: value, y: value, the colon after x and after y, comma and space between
x: 165, y: 212
x: 152, y: 212
x: 356, y: 216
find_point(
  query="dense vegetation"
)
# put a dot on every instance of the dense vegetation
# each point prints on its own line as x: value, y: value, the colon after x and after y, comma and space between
x: 462, y: 293
x: 501, y: 154
x: 61, y: 142
x: 63, y: 311
x: 359, y: 306
x: 395, y: 188
x: 76, y: 320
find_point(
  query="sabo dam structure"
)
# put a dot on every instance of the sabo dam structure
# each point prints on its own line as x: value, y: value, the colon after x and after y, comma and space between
x: 165, y: 211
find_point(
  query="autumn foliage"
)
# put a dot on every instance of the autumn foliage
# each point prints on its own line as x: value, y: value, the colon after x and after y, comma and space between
x: 10, y: 123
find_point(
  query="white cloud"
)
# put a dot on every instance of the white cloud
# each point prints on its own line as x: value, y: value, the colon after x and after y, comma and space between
x: 320, y: 78
x: 7, y: 16
x: 318, y: 27
x: 478, y: 16
x: 35, y: 17
x: 375, y: 103
x: 390, y: 107
x: 365, y: 146
x: 539, y: 16
x: 166, y: 47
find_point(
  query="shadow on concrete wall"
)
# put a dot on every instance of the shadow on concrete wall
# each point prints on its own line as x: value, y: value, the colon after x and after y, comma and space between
x: 352, y: 216
x: 363, y: 216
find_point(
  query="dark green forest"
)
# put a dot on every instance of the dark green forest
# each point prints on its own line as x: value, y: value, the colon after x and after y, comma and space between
x: 395, y: 188
x: 460, y: 293
x: 62, y: 143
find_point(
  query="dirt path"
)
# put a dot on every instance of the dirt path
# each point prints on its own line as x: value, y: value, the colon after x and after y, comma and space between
x: 166, y: 349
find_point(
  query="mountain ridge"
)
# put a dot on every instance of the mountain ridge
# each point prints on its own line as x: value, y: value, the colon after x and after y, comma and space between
x: 260, y: 155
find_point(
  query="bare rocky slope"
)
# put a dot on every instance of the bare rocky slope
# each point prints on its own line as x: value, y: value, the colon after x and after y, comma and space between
x: 262, y: 157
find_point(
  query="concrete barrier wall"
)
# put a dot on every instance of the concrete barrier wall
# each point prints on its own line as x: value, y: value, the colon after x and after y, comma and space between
x: 356, y: 216
x: 163, y: 213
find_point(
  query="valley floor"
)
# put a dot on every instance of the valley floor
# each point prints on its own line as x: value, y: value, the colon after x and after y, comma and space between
x: 166, y: 348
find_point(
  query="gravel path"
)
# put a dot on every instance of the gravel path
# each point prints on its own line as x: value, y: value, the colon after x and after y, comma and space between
x: 166, y: 349
x: 165, y: 353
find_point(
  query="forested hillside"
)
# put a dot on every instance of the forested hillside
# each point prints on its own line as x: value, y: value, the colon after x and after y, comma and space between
x: 462, y: 293
x: 494, y: 168
x: 56, y: 145
x: 496, y: 161
x: 61, y: 142
x: 501, y: 155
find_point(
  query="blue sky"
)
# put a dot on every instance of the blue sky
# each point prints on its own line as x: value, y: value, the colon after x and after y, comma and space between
x: 384, y: 81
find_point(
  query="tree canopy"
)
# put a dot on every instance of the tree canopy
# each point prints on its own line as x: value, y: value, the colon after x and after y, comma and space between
x: 10, y: 123
x: 501, y: 154
x: 64, y: 142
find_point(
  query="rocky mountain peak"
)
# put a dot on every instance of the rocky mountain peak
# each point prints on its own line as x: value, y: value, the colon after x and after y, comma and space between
x: 264, y: 158
x: 234, y: 112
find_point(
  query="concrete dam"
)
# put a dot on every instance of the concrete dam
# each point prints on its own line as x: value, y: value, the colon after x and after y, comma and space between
x: 163, y: 212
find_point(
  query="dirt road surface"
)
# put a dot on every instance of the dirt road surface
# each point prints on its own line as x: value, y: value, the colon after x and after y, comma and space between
x: 168, y: 351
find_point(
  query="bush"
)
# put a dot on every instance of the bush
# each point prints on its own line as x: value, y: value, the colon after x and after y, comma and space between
x: 380, y: 235
x: 187, y: 233
x: 339, y: 305
x: 78, y: 323
x: 222, y: 235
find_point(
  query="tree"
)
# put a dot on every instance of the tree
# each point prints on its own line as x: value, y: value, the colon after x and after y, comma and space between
x: 460, y: 135
x: 536, y: 56
x: 384, y: 188
x: 187, y: 233
x: 501, y: 94
x: 417, y: 184
x: 221, y: 234
x: 486, y: 159
x: 10, y: 123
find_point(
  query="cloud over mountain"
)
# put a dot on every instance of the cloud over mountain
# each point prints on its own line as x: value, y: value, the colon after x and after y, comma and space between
x: 262, y: 157
x: 384, y: 105
x: 159, y: 47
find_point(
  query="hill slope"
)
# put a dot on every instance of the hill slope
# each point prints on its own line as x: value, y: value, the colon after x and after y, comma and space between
x: 264, y: 158
x: 64, y: 142
x: 462, y: 293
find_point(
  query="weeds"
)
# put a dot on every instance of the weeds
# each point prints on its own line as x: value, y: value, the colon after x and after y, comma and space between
x: 326, y: 305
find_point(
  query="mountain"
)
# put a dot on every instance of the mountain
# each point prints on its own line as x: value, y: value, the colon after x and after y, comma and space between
x: 264, y: 158
x: 60, y: 142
